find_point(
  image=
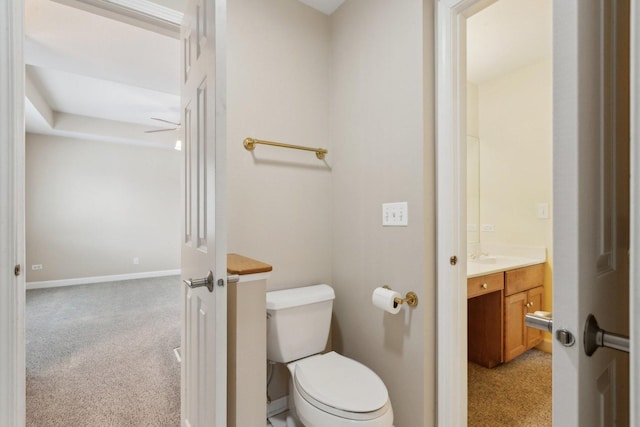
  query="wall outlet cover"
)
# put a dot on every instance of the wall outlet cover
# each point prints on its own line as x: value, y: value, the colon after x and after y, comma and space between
x: 543, y: 210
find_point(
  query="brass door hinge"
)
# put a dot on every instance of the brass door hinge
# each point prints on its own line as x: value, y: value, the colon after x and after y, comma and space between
x: 453, y: 260
x: 17, y: 269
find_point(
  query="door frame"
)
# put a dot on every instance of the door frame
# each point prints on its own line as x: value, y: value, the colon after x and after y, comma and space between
x: 451, y: 213
x: 451, y: 386
x: 634, y: 256
x: 12, y: 243
x: 12, y: 214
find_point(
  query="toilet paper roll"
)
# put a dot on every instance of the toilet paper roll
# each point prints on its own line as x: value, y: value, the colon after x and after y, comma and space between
x: 384, y: 299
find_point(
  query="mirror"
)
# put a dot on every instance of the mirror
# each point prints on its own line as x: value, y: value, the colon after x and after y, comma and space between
x: 473, y: 190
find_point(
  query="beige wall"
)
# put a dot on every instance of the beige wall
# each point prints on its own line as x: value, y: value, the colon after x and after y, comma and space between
x: 381, y: 122
x: 279, y: 201
x: 515, y: 130
x: 92, y: 206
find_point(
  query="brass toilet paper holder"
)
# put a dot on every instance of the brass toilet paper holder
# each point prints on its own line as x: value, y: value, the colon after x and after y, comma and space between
x: 410, y: 298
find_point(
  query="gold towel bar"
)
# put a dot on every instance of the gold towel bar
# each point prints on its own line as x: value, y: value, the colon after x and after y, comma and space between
x: 250, y: 144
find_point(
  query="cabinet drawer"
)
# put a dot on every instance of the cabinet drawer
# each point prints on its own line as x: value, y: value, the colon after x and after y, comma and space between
x: 522, y: 279
x: 484, y: 284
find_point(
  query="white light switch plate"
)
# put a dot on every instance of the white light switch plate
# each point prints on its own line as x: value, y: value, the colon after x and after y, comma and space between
x: 395, y: 214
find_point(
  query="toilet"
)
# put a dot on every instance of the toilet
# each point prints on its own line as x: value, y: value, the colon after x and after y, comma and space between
x: 325, y: 389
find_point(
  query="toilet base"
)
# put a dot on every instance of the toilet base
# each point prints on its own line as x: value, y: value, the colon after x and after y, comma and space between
x: 285, y: 419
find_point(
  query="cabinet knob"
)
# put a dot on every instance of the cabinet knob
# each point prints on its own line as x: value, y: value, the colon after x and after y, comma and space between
x: 485, y: 286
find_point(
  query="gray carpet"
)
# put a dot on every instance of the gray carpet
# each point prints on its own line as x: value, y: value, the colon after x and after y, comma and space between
x: 514, y: 394
x: 102, y: 354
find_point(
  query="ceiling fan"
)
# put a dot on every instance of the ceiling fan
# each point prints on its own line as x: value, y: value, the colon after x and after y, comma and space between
x: 177, y: 126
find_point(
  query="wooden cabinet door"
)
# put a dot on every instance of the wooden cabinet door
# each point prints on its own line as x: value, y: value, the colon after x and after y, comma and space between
x: 534, y: 299
x: 515, y: 334
x: 484, y: 329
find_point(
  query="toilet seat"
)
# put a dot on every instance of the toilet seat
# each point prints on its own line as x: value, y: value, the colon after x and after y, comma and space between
x: 341, y: 386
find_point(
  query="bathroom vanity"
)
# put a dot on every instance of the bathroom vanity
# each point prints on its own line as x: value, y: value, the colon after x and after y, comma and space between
x: 497, y: 302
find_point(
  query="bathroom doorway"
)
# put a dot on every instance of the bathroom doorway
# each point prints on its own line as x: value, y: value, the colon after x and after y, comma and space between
x: 591, y: 198
x: 508, y: 209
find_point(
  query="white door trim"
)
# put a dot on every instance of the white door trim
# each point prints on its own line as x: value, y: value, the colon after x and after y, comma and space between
x: 12, y: 252
x: 451, y: 329
x: 221, y: 209
x: 634, y: 282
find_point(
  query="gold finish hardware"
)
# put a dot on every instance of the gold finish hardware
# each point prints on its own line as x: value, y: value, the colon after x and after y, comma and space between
x: 411, y: 298
x: 453, y: 260
x: 485, y: 286
x: 250, y: 144
x: 17, y: 270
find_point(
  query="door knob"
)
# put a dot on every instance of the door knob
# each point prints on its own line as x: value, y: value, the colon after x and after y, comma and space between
x: 205, y: 281
x: 594, y: 337
x: 538, y: 322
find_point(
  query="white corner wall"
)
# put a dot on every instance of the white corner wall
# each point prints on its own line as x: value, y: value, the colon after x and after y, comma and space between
x: 91, y: 207
x: 279, y: 200
x: 472, y: 109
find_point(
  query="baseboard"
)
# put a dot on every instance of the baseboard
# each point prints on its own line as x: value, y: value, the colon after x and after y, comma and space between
x: 99, y: 279
x: 277, y: 406
x: 545, y: 345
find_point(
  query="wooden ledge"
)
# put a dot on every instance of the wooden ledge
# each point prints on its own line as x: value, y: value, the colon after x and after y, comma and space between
x: 238, y: 264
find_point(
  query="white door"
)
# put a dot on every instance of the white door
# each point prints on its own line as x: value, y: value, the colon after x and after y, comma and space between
x: 204, y: 307
x: 591, y: 207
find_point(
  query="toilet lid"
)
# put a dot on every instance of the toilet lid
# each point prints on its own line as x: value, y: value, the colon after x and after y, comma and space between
x: 341, y: 383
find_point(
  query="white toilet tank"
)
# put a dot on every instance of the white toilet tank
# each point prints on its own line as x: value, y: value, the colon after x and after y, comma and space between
x: 298, y: 322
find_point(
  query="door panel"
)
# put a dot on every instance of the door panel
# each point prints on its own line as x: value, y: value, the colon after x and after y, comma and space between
x: 12, y: 215
x: 515, y: 339
x: 204, y: 314
x: 591, y: 206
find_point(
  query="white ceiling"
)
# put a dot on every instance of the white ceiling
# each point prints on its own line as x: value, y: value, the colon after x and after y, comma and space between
x: 86, y: 65
x: 325, y: 6
x: 506, y: 36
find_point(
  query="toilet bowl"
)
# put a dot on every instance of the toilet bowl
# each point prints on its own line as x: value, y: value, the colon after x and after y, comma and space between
x: 326, y: 390
x: 333, y: 390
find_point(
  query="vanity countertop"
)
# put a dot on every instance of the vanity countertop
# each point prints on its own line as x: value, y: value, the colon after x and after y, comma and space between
x: 489, y: 265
